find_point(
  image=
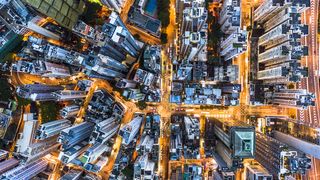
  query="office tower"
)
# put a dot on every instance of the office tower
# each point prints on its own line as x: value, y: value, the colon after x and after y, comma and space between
x: 26, y: 137
x: 52, y: 128
x: 234, y: 44
x: 26, y: 171
x: 280, y: 48
x: 256, y: 172
x: 75, y: 134
x: 175, y: 142
x: 93, y: 153
x: 42, y: 68
x: 237, y: 141
x: 69, y: 111
x: 37, y: 92
x: 114, y: 4
x: 120, y: 41
x: 143, y: 168
x: 279, y: 159
x: 129, y: 131
x: 68, y: 95
x: 194, y: 17
x: 126, y: 83
x: 8, y: 164
x: 65, y: 13
x: 104, y: 67
x: 104, y: 130
x: 73, y: 152
x: 230, y: 16
x: 296, y: 98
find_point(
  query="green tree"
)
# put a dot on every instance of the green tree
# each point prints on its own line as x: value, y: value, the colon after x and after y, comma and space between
x: 49, y: 111
x: 23, y: 101
x: 164, y: 38
x: 163, y: 12
x: 90, y: 15
x: 142, y: 105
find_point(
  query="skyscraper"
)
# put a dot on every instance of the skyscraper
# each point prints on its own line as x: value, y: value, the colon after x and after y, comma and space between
x: 75, y: 134
x: 236, y: 138
x: 119, y: 38
x: 114, y: 4
x: 130, y: 130
x: 52, y: 128
x: 37, y: 92
x: 68, y: 95
x: 278, y: 158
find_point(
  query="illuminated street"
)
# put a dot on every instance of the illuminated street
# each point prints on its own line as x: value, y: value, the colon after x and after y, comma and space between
x: 200, y: 90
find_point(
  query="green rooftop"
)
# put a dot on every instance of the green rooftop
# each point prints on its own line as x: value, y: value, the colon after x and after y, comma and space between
x: 65, y: 12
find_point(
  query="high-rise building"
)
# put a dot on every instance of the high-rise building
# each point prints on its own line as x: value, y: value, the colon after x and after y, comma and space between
x: 280, y: 48
x: 144, y: 168
x: 93, y: 153
x: 120, y: 40
x: 88, y: 32
x: 104, y: 130
x: 14, y: 17
x: 26, y: 137
x: 278, y: 158
x: 69, y: 111
x: 52, y: 128
x: 234, y: 44
x: 297, y: 98
x: 192, y: 44
x: 114, y: 4
x: 230, y: 16
x: 72, y: 175
x: 42, y: 68
x: 175, y: 142
x: 75, y: 134
x: 8, y: 164
x: 256, y: 171
x: 126, y: 83
x: 129, y: 131
x: 40, y: 49
x: 194, y: 17
x: 37, y: 92
x: 25, y: 171
x: 73, y: 152
x: 105, y: 67
x: 68, y: 95
x: 270, y: 8
x: 38, y: 150
x: 237, y: 141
